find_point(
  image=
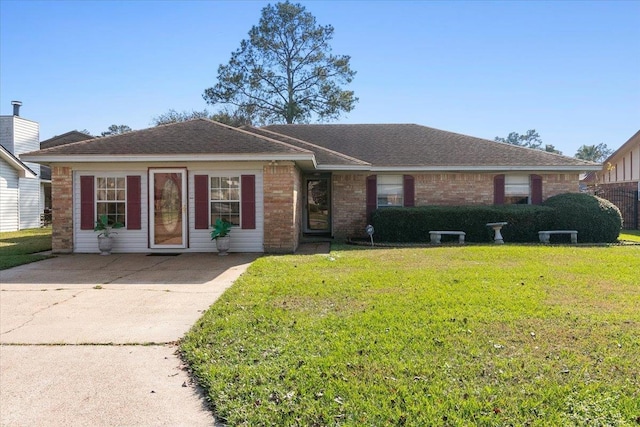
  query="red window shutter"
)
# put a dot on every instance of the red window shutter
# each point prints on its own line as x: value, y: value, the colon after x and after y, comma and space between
x: 536, y: 189
x: 87, y: 203
x: 248, y: 201
x: 201, y: 202
x: 134, y: 203
x: 409, y: 191
x: 498, y: 190
x: 372, y: 195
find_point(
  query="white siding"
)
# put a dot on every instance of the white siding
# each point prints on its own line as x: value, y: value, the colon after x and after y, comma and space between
x: 29, y: 198
x: 21, y: 136
x: 241, y: 240
x: 85, y: 241
x: 8, y: 197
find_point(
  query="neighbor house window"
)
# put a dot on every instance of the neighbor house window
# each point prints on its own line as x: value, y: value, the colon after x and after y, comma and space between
x: 225, y: 199
x: 390, y: 190
x: 516, y: 189
x: 111, y: 198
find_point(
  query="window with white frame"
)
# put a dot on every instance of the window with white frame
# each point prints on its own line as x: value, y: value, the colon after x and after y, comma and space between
x: 225, y: 199
x: 390, y: 191
x: 516, y: 189
x: 111, y: 198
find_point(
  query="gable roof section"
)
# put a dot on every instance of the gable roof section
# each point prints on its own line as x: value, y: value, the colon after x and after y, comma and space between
x: 198, y: 139
x: 65, y: 138
x: 22, y: 169
x: 410, y: 146
x: 627, y: 146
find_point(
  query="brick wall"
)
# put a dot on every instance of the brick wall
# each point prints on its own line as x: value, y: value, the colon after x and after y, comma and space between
x: 349, y: 194
x: 62, y: 209
x: 282, y: 207
x: 558, y: 183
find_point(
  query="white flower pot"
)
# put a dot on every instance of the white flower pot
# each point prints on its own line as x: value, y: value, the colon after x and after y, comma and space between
x: 105, y: 244
x: 222, y: 244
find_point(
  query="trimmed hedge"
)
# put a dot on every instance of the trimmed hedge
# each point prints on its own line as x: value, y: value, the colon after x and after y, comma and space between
x: 414, y: 224
x: 597, y: 220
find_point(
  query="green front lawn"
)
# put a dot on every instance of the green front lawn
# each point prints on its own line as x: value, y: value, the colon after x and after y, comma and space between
x: 629, y: 235
x: 16, y: 247
x: 449, y: 336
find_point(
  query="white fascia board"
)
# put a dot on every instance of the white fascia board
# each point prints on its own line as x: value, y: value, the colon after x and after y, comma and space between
x: 88, y: 158
x: 23, y: 170
x: 343, y: 167
x: 485, y: 168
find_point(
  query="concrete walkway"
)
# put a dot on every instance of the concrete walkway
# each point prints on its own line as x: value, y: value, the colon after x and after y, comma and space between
x: 91, y: 340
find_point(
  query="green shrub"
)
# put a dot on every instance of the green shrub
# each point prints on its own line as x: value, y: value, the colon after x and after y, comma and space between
x: 597, y: 220
x: 414, y: 224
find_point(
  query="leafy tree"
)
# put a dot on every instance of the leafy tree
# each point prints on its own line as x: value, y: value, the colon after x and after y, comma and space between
x: 173, y: 116
x: 116, y: 130
x: 235, y: 119
x: 595, y: 153
x: 550, y: 148
x: 531, y: 139
x: 285, y: 72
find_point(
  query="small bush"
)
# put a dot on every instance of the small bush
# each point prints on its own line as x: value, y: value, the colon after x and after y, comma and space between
x: 597, y: 220
x: 414, y: 224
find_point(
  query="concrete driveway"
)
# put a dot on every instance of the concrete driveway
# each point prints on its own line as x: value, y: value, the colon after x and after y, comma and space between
x: 91, y: 340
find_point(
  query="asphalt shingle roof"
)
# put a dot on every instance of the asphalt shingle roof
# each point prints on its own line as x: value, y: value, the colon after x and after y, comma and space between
x: 415, y: 145
x: 199, y: 136
x: 65, y: 138
x: 348, y: 145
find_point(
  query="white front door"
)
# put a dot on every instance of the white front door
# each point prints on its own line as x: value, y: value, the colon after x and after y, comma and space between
x: 168, y: 208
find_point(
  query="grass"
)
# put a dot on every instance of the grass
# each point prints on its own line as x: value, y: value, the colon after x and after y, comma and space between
x: 17, y: 247
x: 449, y: 336
x: 629, y: 235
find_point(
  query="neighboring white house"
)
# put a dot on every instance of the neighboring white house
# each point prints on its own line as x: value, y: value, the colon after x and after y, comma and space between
x: 21, y: 189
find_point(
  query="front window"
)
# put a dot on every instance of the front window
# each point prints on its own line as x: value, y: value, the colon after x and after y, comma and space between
x: 516, y: 189
x: 390, y: 191
x: 111, y: 199
x: 225, y: 199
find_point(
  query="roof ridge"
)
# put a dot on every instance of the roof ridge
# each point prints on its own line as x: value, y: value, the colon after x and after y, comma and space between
x: 255, y: 135
x: 336, y: 153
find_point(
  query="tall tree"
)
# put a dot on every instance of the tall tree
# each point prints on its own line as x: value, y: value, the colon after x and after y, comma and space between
x: 116, y: 130
x: 235, y: 118
x: 595, y: 153
x: 173, y: 116
x: 531, y: 139
x: 285, y: 72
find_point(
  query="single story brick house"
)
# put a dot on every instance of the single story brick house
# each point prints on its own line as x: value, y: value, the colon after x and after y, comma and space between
x: 279, y: 183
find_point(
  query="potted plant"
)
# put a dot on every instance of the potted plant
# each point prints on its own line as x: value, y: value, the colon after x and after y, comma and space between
x: 105, y: 237
x: 220, y: 234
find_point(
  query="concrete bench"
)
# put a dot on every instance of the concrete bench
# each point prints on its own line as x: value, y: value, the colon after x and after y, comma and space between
x: 437, y: 235
x: 546, y: 235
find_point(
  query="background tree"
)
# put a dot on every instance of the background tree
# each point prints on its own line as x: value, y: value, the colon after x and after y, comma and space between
x: 285, y: 72
x: 595, y: 153
x: 116, y: 130
x: 531, y: 139
x: 550, y: 148
x: 227, y: 117
x: 173, y: 116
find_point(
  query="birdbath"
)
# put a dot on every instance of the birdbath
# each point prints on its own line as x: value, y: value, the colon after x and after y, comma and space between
x: 497, y: 226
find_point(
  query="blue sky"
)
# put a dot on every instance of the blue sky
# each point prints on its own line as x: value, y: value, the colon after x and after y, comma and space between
x: 570, y: 70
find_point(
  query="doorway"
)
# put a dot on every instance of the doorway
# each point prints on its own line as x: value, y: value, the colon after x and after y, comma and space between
x: 317, y: 204
x: 167, y: 208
